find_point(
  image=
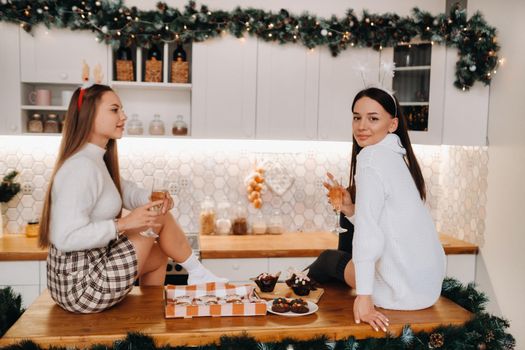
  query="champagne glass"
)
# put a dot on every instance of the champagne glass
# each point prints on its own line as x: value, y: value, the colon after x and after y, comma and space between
x: 336, y: 195
x: 158, y: 192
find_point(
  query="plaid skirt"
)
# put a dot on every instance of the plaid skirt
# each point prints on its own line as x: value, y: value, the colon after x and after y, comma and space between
x: 92, y: 280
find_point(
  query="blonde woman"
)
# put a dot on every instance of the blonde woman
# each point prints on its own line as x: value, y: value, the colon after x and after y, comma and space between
x: 95, y: 255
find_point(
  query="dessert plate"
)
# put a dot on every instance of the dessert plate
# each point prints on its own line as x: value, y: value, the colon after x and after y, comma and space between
x: 311, y: 309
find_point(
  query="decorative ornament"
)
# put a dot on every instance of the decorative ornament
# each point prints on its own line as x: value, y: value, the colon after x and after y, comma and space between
x: 436, y: 340
x: 482, y: 346
x: 324, y: 32
x: 254, y: 186
x: 489, y: 337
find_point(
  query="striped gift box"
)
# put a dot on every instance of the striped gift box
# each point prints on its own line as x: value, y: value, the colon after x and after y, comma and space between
x: 251, y: 305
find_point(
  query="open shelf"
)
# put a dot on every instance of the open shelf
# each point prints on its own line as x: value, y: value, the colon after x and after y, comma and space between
x: 43, y: 108
x: 150, y: 86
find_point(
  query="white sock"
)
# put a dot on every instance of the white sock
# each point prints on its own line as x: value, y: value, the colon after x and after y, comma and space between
x: 197, y: 273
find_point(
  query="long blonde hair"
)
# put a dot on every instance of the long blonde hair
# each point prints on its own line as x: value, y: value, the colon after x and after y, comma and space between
x: 77, y: 129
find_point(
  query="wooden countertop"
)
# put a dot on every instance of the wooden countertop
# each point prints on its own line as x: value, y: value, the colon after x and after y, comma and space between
x: 294, y: 244
x: 19, y: 247
x: 142, y: 310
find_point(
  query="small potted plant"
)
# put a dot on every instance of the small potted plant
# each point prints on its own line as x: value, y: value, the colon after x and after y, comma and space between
x: 8, y: 189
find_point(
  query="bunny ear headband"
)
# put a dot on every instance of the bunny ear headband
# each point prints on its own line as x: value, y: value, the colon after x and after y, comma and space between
x: 86, y: 82
x: 386, y: 70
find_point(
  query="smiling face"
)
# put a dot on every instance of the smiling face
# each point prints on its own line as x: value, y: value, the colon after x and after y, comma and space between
x: 109, y: 120
x: 371, y: 122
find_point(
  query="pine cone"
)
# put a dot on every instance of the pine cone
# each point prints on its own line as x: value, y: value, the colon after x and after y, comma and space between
x: 436, y: 340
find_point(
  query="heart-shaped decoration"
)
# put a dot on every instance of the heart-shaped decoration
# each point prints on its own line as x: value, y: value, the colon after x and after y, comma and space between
x: 277, y: 177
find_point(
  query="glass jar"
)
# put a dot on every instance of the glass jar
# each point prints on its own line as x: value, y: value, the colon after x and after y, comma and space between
x: 207, y: 217
x: 180, y: 127
x: 223, y: 224
x: 156, y: 126
x: 275, y: 224
x: 135, y: 125
x: 259, y: 225
x: 51, y: 123
x: 34, y: 123
x: 32, y: 228
x: 240, y: 222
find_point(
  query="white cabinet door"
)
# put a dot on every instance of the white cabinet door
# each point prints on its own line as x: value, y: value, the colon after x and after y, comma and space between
x: 29, y: 293
x: 438, y: 86
x: 224, y: 82
x: 284, y: 264
x: 287, y: 92
x: 23, y: 277
x: 56, y: 55
x: 466, y: 112
x: 10, y: 79
x: 339, y: 82
x: 237, y: 270
x: 462, y: 267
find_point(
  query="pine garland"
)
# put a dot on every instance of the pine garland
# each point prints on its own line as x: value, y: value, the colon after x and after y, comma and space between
x: 483, y: 332
x: 118, y: 25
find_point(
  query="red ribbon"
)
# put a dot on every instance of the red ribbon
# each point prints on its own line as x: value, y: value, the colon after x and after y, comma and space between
x: 80, y: 98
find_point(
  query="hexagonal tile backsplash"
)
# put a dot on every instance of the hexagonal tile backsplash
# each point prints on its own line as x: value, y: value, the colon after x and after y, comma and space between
x: 456, y: 178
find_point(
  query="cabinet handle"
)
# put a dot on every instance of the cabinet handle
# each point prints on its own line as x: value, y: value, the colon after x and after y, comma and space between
x: 14, y: 127
x: 235, y: 267
x: 63, y: 76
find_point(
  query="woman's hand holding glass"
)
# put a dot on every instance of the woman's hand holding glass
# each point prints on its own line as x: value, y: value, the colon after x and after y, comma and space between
x: 340, y: 200
x: 139, y: 217
x: 159, y: 193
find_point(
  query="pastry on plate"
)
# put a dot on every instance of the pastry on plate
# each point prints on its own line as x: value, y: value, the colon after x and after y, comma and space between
x: 299, y: 306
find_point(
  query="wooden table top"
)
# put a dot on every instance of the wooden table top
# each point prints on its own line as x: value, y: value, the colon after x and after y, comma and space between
x: 294, y: 244
x: 142, y: 311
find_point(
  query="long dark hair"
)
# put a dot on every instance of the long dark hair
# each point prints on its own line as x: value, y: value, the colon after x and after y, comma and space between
x: 391, y: 105
x: 77, y: 129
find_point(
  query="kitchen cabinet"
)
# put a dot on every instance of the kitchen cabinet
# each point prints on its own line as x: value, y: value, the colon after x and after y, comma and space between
x: 56, y: 56
x: 419, y: 84
x: 287, y: 91
x: 9, y: 71
x: 241, y: 270
x: 23, y: 277
x: 466, y: 112
x: 339, y: 81
x: 224, y: 74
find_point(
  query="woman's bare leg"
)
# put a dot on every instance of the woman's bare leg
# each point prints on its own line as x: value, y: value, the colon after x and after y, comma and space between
x: 154, y: 272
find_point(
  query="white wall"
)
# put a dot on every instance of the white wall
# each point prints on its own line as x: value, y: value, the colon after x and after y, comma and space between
x: 501, y: 263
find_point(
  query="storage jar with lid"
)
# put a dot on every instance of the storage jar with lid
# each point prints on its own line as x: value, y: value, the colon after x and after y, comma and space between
x: 223, y: 224
x: 135, y: 125
x: 259, y: 224
x: 240, y: 222
x: 275, y: 224
x: 156, y: 126
x: 51, y: 123
x: 34, y: 123
x: 180, y: 128
x: 207, y: 217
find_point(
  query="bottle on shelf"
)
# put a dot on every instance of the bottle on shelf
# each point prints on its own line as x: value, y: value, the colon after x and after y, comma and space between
x: 51, y: 125
x: 156, y: 126
x: 223, y: 224
x: 207, y: 217
x: 34, y: 123
x: 180, y: 128
x: 135, y: 125
x: 179, y: 66
x: 124, y: 64
x: 153, y: 71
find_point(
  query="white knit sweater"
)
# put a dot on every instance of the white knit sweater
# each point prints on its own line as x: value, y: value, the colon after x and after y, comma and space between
x: 84, y: 202
x: 397, y: 254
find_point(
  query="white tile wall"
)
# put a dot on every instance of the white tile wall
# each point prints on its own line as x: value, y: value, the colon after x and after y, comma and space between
x: 456, y: 178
